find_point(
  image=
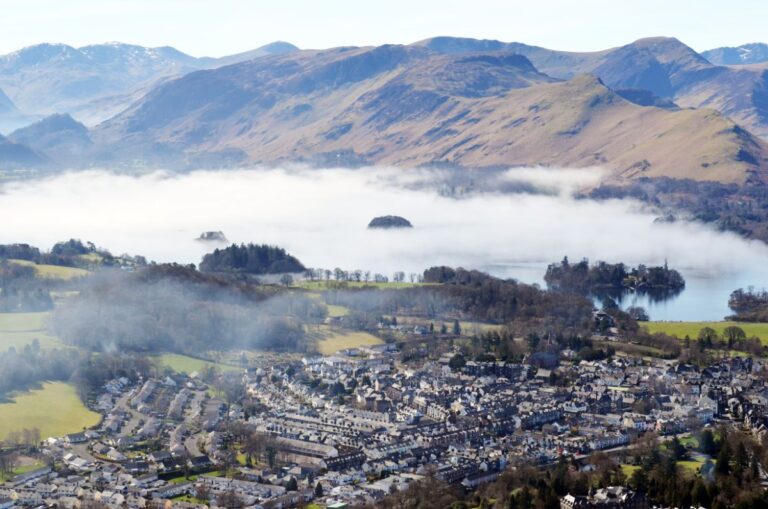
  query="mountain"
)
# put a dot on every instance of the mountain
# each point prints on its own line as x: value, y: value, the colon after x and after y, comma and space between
x: 274, y: 48
x: 6, y: 105
x: 17, y: 156
x: 56, y: 78
x: 664, y: 66
x: 755, y: 53
x: 10, y: 116
x: 60, y: 137
x: 410, y: 106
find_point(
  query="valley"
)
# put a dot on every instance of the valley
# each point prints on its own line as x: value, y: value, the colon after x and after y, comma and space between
x: 383, y: 267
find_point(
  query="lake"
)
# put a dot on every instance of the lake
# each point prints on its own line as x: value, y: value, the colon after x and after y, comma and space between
x: 320, y: 216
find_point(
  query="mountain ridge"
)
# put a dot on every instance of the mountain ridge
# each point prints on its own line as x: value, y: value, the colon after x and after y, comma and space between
x: 409, y: 106
x: 47, y: 79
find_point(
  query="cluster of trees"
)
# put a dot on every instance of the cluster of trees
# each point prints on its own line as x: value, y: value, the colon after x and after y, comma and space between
x: 67, y: 254
x: 742, y: 209
x: 20, y: 370
x: 251, y: 259
x: 176, y: 308
x: 701, y: 349
x: 749, y: 305
x: 731, y: 478
x: 21, y: 290
x: 26, y: 368
x: 731, y: 481
x: 471, y: 295
x: 607, y: 279
x: 340, y: 276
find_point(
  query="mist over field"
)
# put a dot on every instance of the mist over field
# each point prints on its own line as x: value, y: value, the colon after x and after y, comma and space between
x: 497, y: 223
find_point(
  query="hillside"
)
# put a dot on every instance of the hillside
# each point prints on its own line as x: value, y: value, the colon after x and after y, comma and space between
x: 754, y: 53
x: 97, y: 81
x: 59, y: 136
x: 662, y: 65
x: 408, y: 106
x: 15, y: 155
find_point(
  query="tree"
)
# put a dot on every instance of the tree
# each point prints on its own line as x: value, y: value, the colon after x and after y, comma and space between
x: 291, y: 485
x: 318, y: 490
x: 734, y: 334
x: 202, y: 492
x: 456, y: 328
x: 723, y: 466
x: 707, y: 442
x: 677, y: 449
x: 708, y: 335
x: 638, y: 313
x: 230, y: 500
x: 457, y: 362
x: 286, y: 280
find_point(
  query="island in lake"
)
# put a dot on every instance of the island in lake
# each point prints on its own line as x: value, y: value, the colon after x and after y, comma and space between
x: 389, y: 222
x: 217, y: 236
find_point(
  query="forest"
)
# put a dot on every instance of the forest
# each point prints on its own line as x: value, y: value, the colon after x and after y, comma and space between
x: 474, y: 295
x: 742, y: 209
x: 251, y: 259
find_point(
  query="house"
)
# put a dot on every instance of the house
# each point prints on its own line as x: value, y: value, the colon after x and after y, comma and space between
x: 76, y: 438
x: 612, y: 497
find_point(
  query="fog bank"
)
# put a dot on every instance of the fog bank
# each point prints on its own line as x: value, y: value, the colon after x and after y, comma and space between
x: 320, y: 216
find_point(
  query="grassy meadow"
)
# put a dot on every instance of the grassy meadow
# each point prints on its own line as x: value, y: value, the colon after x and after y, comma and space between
x: 19, y: 329
x: 691, y: 329
x: 55, y: 409
x: 53, y: 271
x: 330, y: 341
x: 185, y: 364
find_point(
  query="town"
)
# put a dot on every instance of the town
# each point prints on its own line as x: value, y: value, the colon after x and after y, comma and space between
x: 351, y: 428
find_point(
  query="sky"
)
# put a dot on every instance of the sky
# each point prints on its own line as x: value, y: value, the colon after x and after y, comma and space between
x: 222, y: 27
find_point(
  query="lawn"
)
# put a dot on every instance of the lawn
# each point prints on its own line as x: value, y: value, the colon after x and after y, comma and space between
x: 690, y: 441
x: 691, y: 466
x: 55, y: 410
x: 20, y: 329
x: 53, y: 271
x: 28, y: 466
x: 186, y: 364
x: 691, y: 329
x: 628, y: 470
x: 330, y: 341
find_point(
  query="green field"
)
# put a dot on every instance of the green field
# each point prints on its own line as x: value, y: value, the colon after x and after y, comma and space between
x: 185, y: 364
x: 55, y: 410
x: 53, y: 271
x: 20, y: 329
x: 691, y: 329
x: 330, y: 341
x: 336, y: 311
x: 325, y: 285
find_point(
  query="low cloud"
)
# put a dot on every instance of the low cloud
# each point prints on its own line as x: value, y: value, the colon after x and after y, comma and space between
x: 321, y: 216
